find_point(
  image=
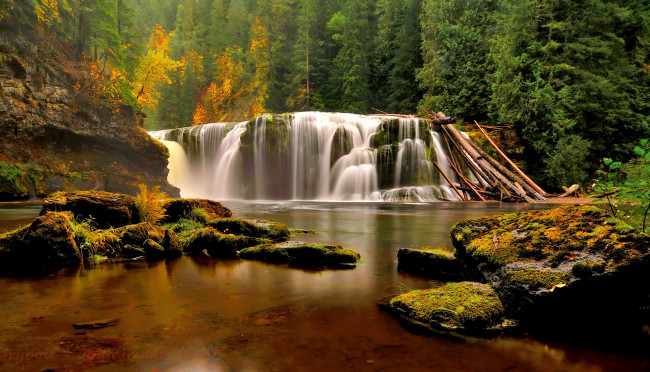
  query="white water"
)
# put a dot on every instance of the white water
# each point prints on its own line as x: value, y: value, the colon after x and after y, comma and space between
x: 318, y: 156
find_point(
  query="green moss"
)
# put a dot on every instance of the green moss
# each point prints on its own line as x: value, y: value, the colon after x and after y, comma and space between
x: 464, y: 305
x: 588, y: 268
x: 296, y: 232
x: 554, y: 235
x: 303, y: 254
x: 535, y: 279
x: 197, y: 214
x: 217, y: 244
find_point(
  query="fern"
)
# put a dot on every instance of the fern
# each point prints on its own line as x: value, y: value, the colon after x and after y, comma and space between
x: 150, y: 204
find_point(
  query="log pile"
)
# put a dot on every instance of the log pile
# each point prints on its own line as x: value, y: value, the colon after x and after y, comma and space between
x: 495, y: 181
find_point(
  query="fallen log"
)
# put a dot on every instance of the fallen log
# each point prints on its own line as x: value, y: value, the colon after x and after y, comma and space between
x: 506, y: 172
x: 451, y: 183
x: 512, y: 164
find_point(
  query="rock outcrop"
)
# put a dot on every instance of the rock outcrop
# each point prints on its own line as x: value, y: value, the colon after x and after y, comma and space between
x: 56, y: 135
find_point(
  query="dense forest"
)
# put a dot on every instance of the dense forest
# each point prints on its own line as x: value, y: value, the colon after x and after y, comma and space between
x: 567, y: 82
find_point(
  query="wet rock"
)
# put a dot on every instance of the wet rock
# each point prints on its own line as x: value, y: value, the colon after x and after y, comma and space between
x: 465, y: 307
x: 437, y: 264
x: 95, y: 324
x: 271, y: 230
x: 303, y: 255
x: 176, y: 209
x: 215, y: 244
x: 104, y: 208
x: 46, y: 242
x: 145, y: 239
x: 575, y: 258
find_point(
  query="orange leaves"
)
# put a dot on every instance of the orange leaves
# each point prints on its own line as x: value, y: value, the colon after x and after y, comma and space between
x: 104, y: 85
x: 229, y: 97
x: 153, y: 68
x: 47, y: 11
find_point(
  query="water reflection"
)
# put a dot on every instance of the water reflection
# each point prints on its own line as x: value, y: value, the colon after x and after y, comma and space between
x: 193, y: 314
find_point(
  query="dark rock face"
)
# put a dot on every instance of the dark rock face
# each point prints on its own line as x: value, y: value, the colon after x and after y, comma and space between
x: 59, y: 137
x: 48, y: 241
x: 104, y: 208
x: 175, y: 209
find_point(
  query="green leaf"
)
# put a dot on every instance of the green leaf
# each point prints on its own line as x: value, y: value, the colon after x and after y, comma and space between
x: 607, y: 161
x: 639, y: 151
x: 647, y: 156
x: 615, y: 165
x: 644, y: 142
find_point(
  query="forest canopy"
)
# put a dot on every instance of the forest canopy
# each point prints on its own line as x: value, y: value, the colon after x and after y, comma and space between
x: 568, y: 80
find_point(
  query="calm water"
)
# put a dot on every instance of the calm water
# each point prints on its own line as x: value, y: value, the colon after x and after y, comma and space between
x: 212, y: 315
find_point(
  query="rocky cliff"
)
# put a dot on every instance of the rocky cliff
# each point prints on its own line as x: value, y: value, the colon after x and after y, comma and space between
x: 55, y: 136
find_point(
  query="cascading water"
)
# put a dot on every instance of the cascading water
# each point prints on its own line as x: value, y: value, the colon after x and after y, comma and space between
x: 310, y: 156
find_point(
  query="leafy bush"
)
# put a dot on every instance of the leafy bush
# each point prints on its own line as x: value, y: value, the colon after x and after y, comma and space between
x: 626, y: 187
x: 150, y: 204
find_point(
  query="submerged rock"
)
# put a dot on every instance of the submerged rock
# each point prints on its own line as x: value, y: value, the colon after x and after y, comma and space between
x: 176, y: 209
x: 465, y: 307
x: 104, y: 208
x: 303, y: 255
x: 48, y: 241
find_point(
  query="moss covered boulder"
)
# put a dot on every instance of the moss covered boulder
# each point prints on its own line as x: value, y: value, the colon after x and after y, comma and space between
x: 271, y: 230
x: 574, y: 257
x: 303, y: 255
x: 176, y: 209
x: 145, y: 239
x: 433, y: 263
x: 465, y: 307
x: 46, y: 242
x: 104, y: 208
x: 215, y: 244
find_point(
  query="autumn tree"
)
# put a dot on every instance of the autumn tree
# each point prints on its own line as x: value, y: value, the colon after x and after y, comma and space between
x: 153, y: 69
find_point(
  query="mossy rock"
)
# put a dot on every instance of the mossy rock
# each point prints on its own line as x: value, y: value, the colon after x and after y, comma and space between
x: 465, y: 307
x: 274, y: 231
x: 303, y: 255
x: 104, y: 208
x: 560, y: 236
x: 573, y: 257
x: 12, y: 182
x: 176, y: 209
x: 46, y: 242
x: 434, y: 263
x: 145, y: 239
x: 215, y: 244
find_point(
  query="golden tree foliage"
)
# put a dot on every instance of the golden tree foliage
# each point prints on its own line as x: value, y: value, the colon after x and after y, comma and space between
x: 105, y: 86
x: 153, y: 68
x: 47, y: 11
x: 229, y: 97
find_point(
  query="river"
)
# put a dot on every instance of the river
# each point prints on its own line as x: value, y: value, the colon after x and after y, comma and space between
x: 192, y: 314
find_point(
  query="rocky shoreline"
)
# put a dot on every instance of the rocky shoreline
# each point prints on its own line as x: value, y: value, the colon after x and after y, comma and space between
x: 77, y: 228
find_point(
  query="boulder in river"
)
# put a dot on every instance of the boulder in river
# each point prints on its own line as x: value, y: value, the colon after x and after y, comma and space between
x: 176, y: 209
x: 303, y: 255
x: 576, y: 258
x: 271, y: 230
x: 215, y: 244
x: 48, y: 241
x: 106, y: 209
x: 465, y: 307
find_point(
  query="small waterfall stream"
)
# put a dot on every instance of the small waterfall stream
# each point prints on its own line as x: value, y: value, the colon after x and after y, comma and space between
x: 310, y: 156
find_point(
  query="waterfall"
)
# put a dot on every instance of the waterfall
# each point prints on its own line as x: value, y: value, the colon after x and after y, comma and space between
x: 310, y: 156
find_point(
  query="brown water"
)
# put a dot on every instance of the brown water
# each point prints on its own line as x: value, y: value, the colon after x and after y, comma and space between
x: 212, y: 315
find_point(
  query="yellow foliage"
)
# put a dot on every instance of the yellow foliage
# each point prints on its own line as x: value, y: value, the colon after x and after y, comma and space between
x: 47, y: 11
x: 153, y: 68
x: 150, y: 204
